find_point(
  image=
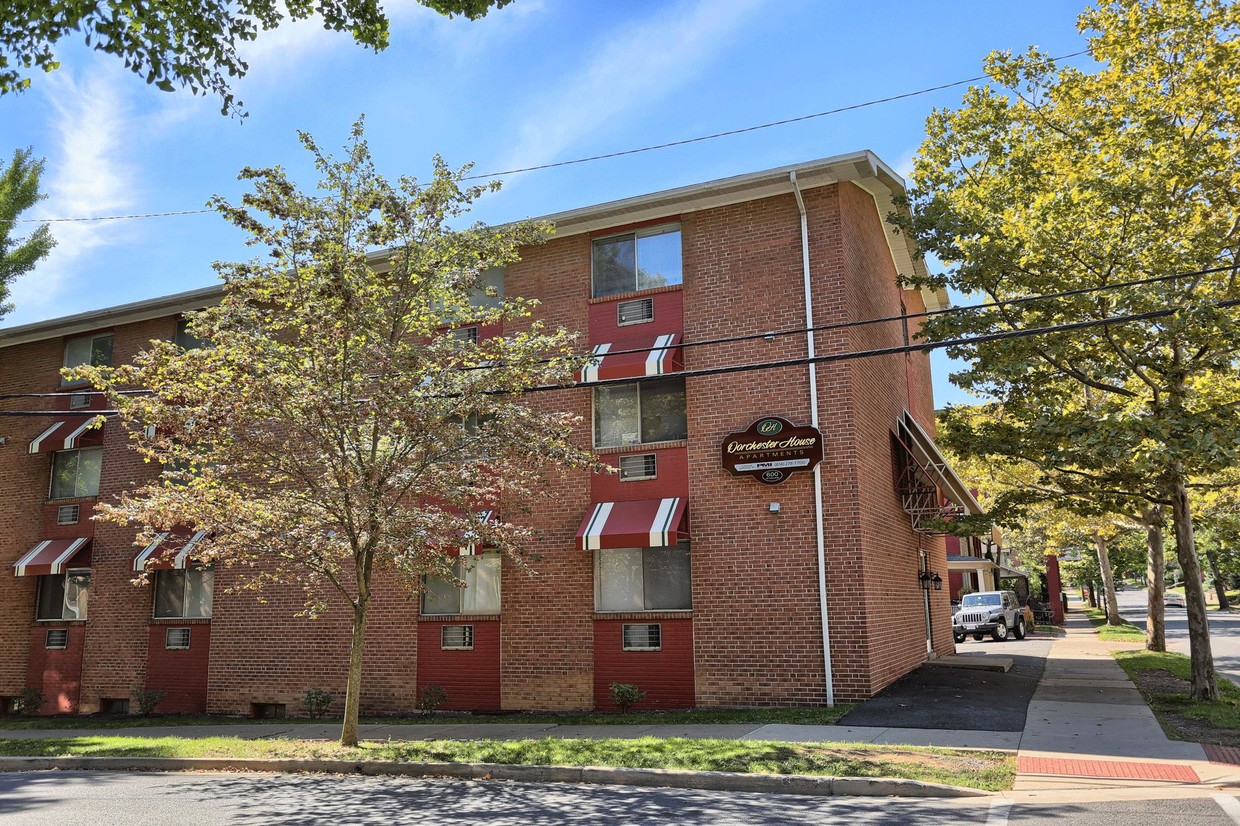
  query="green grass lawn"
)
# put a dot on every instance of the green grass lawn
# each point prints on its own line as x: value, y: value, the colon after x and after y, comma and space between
x: 1163, y: 679
x: 975, y: 769
x: 1124, y: 632
x: 809, y: 715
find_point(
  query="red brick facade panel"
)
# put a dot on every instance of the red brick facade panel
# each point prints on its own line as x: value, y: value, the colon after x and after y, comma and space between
x: 666, y: 675
x: 470, y: 679
x: 182, y: 673
x: 57, y: 672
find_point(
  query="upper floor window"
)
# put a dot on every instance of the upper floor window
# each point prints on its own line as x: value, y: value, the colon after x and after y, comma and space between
x: 93, y: 350
x: 76, y: 472
x: 187, y: 340
x: 640, y: 413
x: 640, y: 260
x: 184, y: 594
x: 489, y: 294
x: 63, y: 596
x: 481, y: 575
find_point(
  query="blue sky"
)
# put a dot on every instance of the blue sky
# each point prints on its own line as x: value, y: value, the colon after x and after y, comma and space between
x: 537, y: 82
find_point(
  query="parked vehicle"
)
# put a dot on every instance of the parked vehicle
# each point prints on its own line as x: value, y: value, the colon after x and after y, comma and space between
x: 997, y: 613
x: 1174, y: 599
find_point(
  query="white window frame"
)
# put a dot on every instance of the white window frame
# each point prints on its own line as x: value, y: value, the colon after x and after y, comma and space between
x: 51, y: 482
x: 66, y: 613
x: 161, y: 577
x: 460, y: 575
x: 640, y: 436
x: 598, y: 585
x: 91, y: 339
x: 644, y: 232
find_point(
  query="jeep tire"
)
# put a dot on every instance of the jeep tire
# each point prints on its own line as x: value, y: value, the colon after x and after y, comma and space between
x: 1001, y: 631
x: 959, y: 638
x: 1019, y: 630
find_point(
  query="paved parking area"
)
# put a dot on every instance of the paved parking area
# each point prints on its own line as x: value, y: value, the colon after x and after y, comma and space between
x: 939, y: 697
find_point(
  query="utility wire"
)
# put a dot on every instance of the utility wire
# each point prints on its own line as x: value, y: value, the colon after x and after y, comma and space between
x: 653, y: 147
x: 839, y: 325
x: 825, y: 359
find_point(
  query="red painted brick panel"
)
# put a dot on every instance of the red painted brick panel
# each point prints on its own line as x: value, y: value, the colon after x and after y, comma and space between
x: 668, y: 318
x: 666, y: 676
x: 672, y: 478
x: 180, y: 672
x: 57, y: 672
x: 470, y: 679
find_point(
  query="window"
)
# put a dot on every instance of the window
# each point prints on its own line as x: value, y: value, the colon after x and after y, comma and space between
x: 187, y: 340
x: 184, y: 594
x: 647, y: 637
x: 489, y: 294
x: 76, y: 472
x: 93, y: 350
x: 481, y: 594
x: 629, y: 414
x: 642, y: 579
x: 456, y: 638
x: 468, y: 335
x: 63, y: 596
x: 639, y: 260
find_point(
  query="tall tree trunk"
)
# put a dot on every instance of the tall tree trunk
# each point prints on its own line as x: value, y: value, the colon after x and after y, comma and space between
x: 352, y: 697
x: 1204, y: 680
x: 1155, y: 580
x: 1108, y: 581
x: 1220, y: 584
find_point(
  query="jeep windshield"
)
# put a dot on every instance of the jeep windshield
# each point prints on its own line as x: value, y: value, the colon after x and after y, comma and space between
x: 981, y: 601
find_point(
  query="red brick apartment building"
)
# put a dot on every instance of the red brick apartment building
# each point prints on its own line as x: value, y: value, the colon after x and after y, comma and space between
x: 703, y: 587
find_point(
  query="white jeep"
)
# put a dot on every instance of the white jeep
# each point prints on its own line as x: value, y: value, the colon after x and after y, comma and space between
x: 989, y: 612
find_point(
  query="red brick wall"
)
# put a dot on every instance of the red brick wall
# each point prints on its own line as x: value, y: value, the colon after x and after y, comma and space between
x: 180, y: 672
x: 470, y: 679
x: 666, y: 676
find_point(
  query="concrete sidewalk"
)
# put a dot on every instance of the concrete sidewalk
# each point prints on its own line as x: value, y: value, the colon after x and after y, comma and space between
x: 1087, y: 727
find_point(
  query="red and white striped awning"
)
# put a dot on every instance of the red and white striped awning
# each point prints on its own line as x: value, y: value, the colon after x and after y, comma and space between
x: 633, y: 359
x: 164, y: 553
x: 52, y: 556
x: 645, y: 523
x: 63, y: 435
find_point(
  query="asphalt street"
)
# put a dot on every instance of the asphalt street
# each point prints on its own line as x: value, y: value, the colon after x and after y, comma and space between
x: 90, y: 799
x: 1224, y: 631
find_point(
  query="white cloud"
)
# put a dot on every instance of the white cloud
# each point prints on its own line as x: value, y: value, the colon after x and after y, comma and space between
x: 86, y: 175
x: 634, y: 67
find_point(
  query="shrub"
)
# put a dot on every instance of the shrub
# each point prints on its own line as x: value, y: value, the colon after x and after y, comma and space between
x: 626, y: 695
x: 146, y: 699
x: 29, y: 701
x: 316, y: 701
x: 433, y: 696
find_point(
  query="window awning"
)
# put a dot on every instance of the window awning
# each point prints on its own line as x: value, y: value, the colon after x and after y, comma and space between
x: 931, y: 460
x: 961, y: 562
x: 66, y: 434
x: 633, y: 359
x: 165, y: 553
x: 644, y: 523
x: 53, y: 556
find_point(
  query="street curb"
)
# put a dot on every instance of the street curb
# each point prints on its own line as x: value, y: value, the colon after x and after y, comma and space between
x: 795, y: 784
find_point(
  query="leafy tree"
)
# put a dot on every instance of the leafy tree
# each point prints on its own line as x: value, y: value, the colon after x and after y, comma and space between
x: 19, y: 190
x: 1072, y: 179
x: 334, y: 430
x: 187, y: 43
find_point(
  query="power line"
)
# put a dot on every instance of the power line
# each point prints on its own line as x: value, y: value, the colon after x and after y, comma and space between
x: 825, y: 359
x: 621, y: 153
x: 839, y: 325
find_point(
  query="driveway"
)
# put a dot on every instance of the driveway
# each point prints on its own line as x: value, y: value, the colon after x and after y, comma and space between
x: 948, y: 697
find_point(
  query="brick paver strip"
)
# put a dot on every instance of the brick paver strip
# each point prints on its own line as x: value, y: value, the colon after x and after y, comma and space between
x: 1106, y: 768
x: 1222, y: 754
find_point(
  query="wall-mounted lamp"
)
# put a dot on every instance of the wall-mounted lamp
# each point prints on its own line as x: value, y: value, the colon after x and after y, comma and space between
x: 774, y: 507
x: 924, y: 578
x: 930, y: 578
x: 938, y: 582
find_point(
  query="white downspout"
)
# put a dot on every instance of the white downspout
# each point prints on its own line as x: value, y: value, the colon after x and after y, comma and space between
x: 813, y: 417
